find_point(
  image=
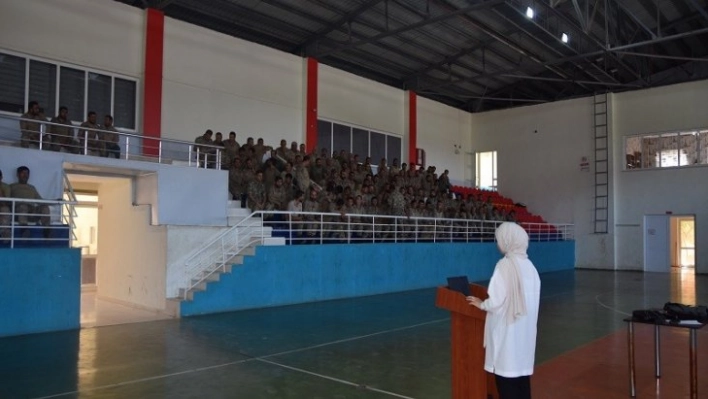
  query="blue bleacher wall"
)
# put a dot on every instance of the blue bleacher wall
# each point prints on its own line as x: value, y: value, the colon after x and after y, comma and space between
x: 283, y: 275
x: 41, y: 290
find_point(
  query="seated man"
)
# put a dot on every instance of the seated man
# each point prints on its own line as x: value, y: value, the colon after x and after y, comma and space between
x: 31, y: 130
x: 25, y: 210
x: 110, y: 138
x: 4, y: 209
x: 63, y: 132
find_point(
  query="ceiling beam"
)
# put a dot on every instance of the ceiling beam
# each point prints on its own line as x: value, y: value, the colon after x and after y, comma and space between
x: 590, y: 37
x: 346, y: 18
x: 551, y: 48
x: 477, y: 6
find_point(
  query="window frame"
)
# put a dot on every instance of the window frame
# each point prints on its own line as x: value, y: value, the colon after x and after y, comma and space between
x: 86, y: 70
x: 369, y: 130
x: 659, y: 135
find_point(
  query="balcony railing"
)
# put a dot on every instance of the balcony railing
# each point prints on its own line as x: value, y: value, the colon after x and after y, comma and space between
x: 324, y: 228
x: 91, y: 142
x: 32, y: 223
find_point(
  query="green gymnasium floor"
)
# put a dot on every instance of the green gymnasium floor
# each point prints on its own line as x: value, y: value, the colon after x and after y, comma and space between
x: 386, y: 346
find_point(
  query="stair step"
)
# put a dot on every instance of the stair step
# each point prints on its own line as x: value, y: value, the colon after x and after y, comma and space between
x: 234, y: 204
x: 274, y: 241
x: 243, y: 212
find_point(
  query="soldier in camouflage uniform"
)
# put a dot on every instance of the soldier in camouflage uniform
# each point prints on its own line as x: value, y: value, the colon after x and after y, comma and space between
x: 277, y: 196
x: 311, y: 204
x: 257, y: 193
x: 237, y: 181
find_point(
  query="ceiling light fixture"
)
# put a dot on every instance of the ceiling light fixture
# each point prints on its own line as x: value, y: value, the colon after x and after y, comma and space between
x: 529, y: 12
x: 564, y: 38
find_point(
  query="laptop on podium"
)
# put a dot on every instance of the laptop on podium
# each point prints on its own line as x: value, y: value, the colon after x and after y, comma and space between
x: 460, y: 284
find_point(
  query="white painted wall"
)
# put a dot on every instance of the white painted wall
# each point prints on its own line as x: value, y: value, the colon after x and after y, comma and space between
x: 182, y: 243
x: 440, y: 129
x: 132, y: 253
x: 99, y: 34
x: 214, y: 81
x: 191, y: 196
x: 348, y: 98
x: 539, y: 152
x: 640, y: 192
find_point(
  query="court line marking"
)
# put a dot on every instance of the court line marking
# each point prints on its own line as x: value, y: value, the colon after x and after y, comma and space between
x: 250, y: 359
x: 599, y: 302
x: 335, y: 379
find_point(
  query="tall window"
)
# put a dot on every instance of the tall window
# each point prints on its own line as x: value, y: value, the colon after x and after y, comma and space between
x: 487, y: 170
x: 360, y: 141
x: 55, y: 84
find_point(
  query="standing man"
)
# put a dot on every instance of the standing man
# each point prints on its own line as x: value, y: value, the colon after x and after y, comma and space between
x: 31, y: 131
x: 110, y: 138
x: 204, y: 151
x: 63, y: 136
x: 90, y: 139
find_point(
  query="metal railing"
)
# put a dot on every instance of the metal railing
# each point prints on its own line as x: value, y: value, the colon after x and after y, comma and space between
x: 220, y: 252
x: 74, y: 139
x: 323, y: 228
x: 26, y: 223
x: 327, y: 228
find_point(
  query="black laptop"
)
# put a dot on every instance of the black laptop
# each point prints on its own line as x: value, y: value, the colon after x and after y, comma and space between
x: 460, y: 284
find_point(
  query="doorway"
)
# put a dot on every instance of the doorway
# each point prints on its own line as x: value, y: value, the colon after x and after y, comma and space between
x: 683, y: 242
x: 669, y: 243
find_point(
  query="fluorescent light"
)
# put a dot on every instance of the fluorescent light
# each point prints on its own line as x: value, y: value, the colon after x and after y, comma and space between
x: 564, y: 38
x: 529, y: 12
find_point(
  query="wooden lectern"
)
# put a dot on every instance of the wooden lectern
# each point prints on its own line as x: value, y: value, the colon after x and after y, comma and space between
x: 469, y: 380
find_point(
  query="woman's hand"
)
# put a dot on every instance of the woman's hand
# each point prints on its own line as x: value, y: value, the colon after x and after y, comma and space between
x: 474, y: 301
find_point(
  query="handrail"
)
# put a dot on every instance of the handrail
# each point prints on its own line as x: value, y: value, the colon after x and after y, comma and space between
x: 13, y: 222
x: 310, y: 227
x: 213, y: 155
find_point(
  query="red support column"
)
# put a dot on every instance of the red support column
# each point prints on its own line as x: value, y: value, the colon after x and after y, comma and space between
x: 412, y: 127
x: 311, y: 106
x: 152, y: 80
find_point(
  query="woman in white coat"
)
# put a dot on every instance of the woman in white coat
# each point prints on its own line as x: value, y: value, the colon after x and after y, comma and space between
x: 512, y: 313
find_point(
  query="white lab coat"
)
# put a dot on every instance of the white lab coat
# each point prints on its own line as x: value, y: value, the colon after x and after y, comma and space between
x: 510, y: 348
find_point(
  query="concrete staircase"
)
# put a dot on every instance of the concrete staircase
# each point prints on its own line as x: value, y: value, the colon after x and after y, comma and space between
x: 261, y: 234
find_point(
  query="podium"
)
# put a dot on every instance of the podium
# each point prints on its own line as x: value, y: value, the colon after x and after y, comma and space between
x: 469, y: 379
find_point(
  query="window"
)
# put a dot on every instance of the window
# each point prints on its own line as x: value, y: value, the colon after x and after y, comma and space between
x: 487, y: 170
x: 99, y: 95
x: 43, y: 85
x: 667, y: 150
x: 12, y: 81
x: 124, y: 103
x: 81, y: 90
x: 358, y: 140
x: 71, y: 93
x: 324, y: 136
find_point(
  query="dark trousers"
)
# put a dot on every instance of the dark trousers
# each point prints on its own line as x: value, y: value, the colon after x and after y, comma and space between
x: 513, y: 388
x: 112, y: 150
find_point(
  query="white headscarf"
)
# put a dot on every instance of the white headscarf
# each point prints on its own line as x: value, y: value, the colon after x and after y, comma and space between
x: 513, y: 243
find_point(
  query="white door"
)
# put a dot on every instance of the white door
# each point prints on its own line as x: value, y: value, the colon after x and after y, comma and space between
x: 656, y: 243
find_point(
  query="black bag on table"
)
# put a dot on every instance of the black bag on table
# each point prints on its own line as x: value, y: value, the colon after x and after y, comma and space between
x: 657, y: 316
x: 678, y: 311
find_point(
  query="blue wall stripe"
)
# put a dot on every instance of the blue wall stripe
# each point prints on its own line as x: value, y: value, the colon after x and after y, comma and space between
x: 283, y: 275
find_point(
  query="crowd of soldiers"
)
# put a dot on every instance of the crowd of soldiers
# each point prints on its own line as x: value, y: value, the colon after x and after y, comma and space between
x: 290, y: 179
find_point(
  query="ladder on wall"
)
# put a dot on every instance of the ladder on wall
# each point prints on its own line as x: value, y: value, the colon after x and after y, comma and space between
x: 602, y: 186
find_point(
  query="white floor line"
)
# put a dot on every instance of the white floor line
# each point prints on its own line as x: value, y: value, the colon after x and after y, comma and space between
x: 261, y: 358
x: 327, y: 377
x: 597, y: 299
x: 146, y: 379
x: 307, y: 348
